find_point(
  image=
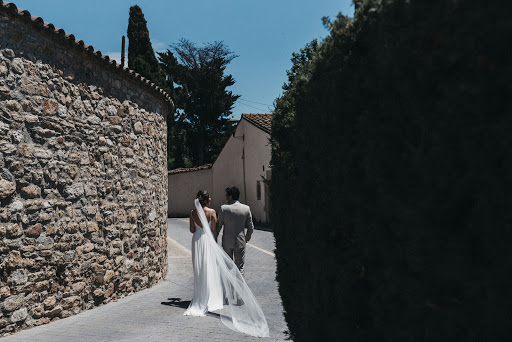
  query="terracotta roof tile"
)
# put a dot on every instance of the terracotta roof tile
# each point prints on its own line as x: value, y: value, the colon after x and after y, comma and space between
x: 11, y: 8
x: 197, y: 168
x: 262, y: 121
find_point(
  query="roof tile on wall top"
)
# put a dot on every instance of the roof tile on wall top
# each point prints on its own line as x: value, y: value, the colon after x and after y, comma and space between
x: 49, y: 28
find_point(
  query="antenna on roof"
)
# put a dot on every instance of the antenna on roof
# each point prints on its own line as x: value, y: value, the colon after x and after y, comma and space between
x: 122, y: 52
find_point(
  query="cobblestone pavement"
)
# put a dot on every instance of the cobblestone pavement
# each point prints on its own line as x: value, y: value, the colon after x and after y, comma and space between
x: 156, y: 314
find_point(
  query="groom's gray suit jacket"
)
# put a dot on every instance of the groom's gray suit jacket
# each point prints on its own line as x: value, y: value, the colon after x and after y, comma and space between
x: 235, y: 217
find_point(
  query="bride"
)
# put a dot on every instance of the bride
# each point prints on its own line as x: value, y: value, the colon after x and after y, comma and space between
x: 218, y: 284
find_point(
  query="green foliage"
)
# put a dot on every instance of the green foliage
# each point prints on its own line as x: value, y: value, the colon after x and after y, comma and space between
x: 195, y: 76
x: 392, y: 176
x: 177, y: 148
x: 141, y: 56
x: 283, y: 187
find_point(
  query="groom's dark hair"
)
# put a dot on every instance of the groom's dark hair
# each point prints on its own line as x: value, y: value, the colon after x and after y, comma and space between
x: 233, y: 192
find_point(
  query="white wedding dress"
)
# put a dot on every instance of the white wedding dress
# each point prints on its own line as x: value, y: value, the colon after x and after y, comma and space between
x: 207, y: 286
x: 219, y: 285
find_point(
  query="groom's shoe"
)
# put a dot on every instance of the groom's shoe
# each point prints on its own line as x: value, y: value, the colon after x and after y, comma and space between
x: 239, y: 302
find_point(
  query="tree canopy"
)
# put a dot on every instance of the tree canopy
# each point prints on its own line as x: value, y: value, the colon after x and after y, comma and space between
x: 196, y: 79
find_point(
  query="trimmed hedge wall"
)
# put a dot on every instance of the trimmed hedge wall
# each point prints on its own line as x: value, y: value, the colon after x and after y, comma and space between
x: 392, y: 176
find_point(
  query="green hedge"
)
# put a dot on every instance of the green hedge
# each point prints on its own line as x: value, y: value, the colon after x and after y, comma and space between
x: 392, y: 176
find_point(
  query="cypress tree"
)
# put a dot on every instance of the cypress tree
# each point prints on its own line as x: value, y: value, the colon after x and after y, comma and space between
x: 141, y: 56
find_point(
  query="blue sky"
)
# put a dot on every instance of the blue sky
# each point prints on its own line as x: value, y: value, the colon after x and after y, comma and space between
x: 262, y: 33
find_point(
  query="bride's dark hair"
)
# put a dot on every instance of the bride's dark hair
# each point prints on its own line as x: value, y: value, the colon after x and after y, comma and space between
x: 203, y: 196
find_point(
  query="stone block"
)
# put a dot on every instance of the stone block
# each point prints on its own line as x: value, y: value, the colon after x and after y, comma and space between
x: 50, y: 302
x: 5, y: 291
x: 41, y: 321
x: 13, y: 230
x: 13, y: 259
x: 98, y: 293
x: 110, y: 290
x: 78, y: 287
x: 53, y: 312
x: 138, y: 128
x: 41, y: 286
x: 92, y: 227
x: 18, y: 277
x: 116, y: 120
x: 6, y: 188
x: 43, y: 153
x: 31, y: 191
x: 74, y: 191
x: 3, y: 69
x: 13, y: 302
x: 26, y: 150
x: 5, y: 174
x: 14, y: 105
x: 50, y: 106
x: 69, y: 302
x: 17, y: 66
x: 44, y: 243
x: 36, y: 311
x: 34, y: 231
x: 16, y: 206
x: 19, y: 315
x: 108, y: 276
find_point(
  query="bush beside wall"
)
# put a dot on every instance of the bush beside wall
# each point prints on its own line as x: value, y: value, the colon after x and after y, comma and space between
x: 391, y: 192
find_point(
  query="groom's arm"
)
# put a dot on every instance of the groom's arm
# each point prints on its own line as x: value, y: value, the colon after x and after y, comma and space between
x: 249, y: 225
x: 220, y: 222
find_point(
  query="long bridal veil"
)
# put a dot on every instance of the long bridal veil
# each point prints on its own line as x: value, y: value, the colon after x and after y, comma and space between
x: 240, y: 311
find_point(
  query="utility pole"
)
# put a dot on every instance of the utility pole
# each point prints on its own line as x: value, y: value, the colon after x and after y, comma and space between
x: 243, y: 161
x: 122, y: 52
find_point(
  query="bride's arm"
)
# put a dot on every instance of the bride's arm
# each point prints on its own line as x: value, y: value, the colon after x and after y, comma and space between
x: 192, y: 227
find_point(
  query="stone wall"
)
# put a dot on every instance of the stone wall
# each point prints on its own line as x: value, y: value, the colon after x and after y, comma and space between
x: 83, y: 183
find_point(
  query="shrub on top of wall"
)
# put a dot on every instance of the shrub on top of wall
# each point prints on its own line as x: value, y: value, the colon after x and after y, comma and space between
x: 392, y: 201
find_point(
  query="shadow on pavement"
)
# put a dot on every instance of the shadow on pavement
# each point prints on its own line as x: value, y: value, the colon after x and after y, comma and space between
x: 177, y: 302
x: 264, y: 227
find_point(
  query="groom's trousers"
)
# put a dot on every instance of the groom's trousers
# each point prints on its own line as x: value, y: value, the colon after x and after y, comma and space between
x: 238, y: 256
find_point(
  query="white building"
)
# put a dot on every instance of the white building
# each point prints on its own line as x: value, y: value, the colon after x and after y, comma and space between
x: 244, y: 162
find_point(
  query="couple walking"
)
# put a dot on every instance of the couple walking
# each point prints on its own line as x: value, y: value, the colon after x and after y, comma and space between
x: 219, y: 284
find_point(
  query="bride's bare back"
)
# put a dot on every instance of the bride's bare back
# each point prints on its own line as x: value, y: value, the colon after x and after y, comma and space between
x: 210, y: 214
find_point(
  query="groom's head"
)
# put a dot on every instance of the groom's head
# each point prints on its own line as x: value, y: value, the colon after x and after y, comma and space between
x: 232, y: 194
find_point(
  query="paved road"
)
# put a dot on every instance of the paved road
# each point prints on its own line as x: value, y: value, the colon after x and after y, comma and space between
x: 156, y: 314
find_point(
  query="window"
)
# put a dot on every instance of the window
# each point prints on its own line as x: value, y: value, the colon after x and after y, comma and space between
x: 258, y: 190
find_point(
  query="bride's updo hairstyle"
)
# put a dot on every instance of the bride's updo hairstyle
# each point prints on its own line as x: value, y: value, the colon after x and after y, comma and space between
x: 203, y: 196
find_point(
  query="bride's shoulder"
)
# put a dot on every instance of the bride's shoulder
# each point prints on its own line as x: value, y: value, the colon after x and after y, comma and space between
x: 210, y: 211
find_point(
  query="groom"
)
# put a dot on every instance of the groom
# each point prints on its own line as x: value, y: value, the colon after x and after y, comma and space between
x: 235, y: 217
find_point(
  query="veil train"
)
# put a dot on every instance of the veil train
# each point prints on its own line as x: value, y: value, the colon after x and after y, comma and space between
x: 240, y: 312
